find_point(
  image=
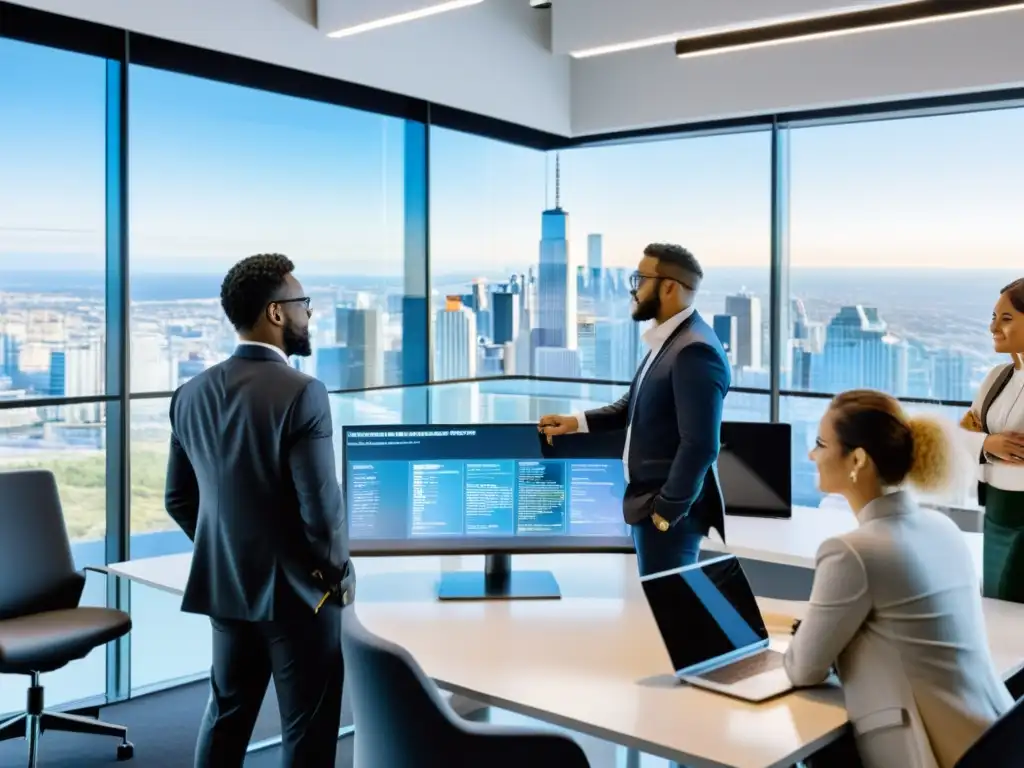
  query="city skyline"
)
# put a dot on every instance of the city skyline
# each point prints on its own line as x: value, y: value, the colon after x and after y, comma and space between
x: 219, y: 171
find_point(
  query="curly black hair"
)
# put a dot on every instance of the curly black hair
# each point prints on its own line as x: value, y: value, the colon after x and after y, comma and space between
x: 250, y: 285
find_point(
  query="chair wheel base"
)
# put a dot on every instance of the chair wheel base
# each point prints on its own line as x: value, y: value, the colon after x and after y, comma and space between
x: 125, y: 751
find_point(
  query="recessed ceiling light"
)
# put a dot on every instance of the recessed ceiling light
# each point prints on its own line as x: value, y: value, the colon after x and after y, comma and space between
x: 401, y: 18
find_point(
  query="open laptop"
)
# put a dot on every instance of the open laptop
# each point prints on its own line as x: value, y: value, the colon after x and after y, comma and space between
x: 713, y: 629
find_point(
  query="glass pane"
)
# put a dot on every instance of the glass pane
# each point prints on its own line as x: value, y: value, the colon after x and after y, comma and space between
x: 804, y: 413
x: 220, y: 172
x: 519, y: 401
x: 52, y: 193
x: 903, y: 232
x: 70, y: 442
x: 562, y: 234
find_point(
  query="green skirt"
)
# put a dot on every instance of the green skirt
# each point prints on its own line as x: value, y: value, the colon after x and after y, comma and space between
x: 1003, y: 570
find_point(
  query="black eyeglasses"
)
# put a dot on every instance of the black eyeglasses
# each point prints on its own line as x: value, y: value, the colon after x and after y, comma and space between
x: 638, y: 277
x: 304, y: 299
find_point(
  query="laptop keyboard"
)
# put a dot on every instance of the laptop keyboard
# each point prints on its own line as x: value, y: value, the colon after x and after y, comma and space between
x: 766, y: 661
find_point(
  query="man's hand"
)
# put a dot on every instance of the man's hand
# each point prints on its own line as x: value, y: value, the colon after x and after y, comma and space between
x: 1006, y: 446
x: 552, y: 426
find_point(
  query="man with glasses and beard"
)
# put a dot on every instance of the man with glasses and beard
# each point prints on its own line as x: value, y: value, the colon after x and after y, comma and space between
x: 670, y: 418
x: 251, y: 480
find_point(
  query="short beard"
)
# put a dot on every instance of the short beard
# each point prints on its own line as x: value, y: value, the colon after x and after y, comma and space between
x: 297, y: 343
x: 647, y: 309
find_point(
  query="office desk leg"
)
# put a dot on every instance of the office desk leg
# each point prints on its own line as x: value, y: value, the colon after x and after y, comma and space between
x: 259, y: 746
x: 632, y: 758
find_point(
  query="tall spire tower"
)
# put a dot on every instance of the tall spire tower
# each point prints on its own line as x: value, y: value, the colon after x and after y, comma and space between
x: 558, y: 181
x: 554, y: 325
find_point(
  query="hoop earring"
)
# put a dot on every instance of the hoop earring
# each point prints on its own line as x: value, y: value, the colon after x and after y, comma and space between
x: 853, y: 477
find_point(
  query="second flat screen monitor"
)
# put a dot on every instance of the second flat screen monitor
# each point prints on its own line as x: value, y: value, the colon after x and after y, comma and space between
x: 474, y: 487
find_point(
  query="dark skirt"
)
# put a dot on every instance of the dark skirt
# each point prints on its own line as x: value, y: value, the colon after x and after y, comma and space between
x: 1003, y: 570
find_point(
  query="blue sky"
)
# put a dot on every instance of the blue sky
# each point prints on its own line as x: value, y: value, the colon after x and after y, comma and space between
x: 218, y: 172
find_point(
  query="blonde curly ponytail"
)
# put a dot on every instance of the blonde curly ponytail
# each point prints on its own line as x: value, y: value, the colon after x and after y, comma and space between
x: 933, y: 466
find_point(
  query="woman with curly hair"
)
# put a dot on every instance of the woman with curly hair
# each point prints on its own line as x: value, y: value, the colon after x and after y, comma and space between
x: 895, y: 606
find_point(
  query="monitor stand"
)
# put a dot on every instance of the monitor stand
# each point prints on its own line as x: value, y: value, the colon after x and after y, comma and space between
x: 498, y: 582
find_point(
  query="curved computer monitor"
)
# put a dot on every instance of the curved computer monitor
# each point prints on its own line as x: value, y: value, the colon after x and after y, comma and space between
x: 494, y: 489
x: 501, y: 489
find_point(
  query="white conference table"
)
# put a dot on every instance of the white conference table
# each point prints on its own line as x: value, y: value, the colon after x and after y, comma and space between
x: 593, y: 661
x: 795, y: 541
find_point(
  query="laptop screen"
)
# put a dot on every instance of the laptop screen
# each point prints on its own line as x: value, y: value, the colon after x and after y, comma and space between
x: 705, y: 611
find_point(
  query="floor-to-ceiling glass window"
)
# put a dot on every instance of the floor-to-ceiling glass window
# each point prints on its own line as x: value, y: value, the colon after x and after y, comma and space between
x: 902, y: 233
x: 531, y: 253
x: 219, y: 172
x: 53, y: 325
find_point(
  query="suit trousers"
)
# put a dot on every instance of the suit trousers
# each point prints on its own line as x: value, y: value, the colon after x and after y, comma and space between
x: 303, y: 654
x: 658, y: 551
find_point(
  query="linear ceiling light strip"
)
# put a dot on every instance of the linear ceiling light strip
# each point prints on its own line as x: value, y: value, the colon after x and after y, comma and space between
x: 834, y: 25
x: 401, y: 18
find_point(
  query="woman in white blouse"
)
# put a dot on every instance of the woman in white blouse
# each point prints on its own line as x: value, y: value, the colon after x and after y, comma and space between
x: 994, y: 432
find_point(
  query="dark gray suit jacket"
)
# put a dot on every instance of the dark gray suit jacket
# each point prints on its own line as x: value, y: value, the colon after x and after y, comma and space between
x: 676, y: 418
x: 251, y: 479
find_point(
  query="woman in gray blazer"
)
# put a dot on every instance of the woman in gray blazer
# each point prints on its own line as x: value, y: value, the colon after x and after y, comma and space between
x: 895, y: 604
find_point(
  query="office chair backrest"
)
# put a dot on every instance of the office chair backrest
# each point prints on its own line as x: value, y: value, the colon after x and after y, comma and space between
x: 1001, y: 746
x: 37, y: 572
x: 396, y: 707
x: 402, y: 721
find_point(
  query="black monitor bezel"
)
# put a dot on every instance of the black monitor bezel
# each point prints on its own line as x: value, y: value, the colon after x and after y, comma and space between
x: 548, y: 545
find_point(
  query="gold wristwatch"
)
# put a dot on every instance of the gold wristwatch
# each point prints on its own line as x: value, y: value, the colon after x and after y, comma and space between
x: 659, y: 522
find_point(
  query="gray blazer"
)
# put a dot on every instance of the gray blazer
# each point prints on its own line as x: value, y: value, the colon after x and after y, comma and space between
x: 251, y: 479
x: 896, y: 605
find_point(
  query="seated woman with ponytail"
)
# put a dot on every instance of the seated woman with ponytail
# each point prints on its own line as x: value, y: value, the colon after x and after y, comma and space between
x: 895, y: 605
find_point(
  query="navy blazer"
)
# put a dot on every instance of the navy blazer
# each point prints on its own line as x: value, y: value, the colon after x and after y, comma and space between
x: 676, y: 419
x: 251, y: 479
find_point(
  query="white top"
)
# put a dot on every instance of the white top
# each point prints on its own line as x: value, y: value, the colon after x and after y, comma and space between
x: 1005, y: 415
x: 655, y: 338
x: 265, y: 346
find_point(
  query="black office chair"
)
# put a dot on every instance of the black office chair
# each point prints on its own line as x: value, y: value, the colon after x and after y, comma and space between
x: 401, y: 721
x: 42, y: 627
x: 1000, y: 746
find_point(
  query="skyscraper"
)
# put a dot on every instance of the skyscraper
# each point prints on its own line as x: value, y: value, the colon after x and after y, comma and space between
x: 455, y: 341
x: 505, y: 314
x: 726, y: 330
x: 555, y: 324
x: 365, y: 339
x: 746, y: 308
x: 595, y: 252
x: 860, y: 352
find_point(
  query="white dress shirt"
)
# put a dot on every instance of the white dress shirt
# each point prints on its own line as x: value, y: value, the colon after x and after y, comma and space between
x: 1006, y: 414
x: 655, y: 338
x: 265, y: 346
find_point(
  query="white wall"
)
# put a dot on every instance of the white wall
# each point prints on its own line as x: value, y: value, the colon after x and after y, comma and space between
x: 651, y: 87
x: 492, y: 58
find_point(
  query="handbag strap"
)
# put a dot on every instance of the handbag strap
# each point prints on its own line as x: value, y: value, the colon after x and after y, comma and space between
x: 993, y: 392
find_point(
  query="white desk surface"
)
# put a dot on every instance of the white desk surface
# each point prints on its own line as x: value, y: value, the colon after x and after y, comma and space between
x: 593, y: 661
x: 795, y: 541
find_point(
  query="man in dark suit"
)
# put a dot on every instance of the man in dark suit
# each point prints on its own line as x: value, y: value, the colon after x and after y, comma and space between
x: 671, y: 416
x: 251, y: 479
